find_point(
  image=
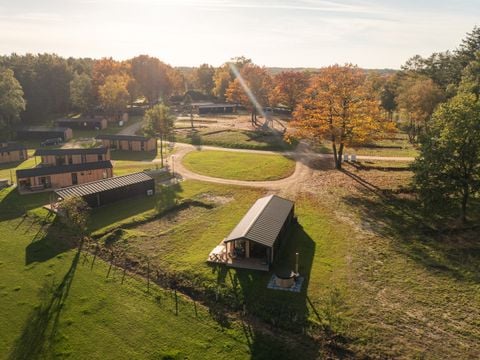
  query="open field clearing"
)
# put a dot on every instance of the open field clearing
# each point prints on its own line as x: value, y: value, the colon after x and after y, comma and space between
x: 239, y: 166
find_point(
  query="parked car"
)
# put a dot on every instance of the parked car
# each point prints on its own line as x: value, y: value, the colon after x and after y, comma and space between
x: 53, y: 141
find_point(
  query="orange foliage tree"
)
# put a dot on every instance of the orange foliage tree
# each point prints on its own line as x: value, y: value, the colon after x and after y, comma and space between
x: 259, y: 84
x: 289, y: 87
x: 104, y: 68
x: 339, y: 106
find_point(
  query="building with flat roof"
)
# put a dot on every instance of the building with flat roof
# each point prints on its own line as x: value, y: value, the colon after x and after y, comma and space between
x: 12, y: 152
x: 54, y: 177
x: 59, y: 157
x: 42, y: 133
x: 86, y: 123
x: 128, y: 142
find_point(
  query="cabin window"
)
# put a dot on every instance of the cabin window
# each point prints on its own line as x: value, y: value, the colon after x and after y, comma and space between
x: 70, y: 159
x: 100, y: 157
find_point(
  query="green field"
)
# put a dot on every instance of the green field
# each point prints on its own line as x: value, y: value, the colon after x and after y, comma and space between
x: 242, y: 139
x: 239, y: 166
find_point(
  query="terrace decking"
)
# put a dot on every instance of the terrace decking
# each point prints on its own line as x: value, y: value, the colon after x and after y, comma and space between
x: 219, y: 255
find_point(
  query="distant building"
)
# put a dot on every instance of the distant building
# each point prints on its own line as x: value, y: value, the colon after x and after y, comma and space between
x: 12, y: 152
x: 101, y: 192
x: 59, y: 157
x: 42, y: 133
x: 90, y: 123
x: 211, y: 108
x: 128, y: 142
x: 54, y: 177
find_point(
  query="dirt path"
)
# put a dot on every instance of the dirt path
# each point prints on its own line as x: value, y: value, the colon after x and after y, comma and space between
x: 302, y: 155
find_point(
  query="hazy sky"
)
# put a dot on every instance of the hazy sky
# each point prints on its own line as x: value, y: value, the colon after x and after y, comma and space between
x: 370, y: 33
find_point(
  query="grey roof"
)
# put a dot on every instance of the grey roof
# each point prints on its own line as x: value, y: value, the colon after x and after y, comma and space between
x: 121, y: 137
x: 263, y: 221
x: 103, y: 185
x: 79, y: 120
x: 97, y: 150
x: 216, y: 105
x: 43, y: 129
x: 50, y: 170
x: 12, y: 147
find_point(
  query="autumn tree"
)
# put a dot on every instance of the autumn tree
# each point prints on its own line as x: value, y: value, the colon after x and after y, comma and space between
x: 11, y: 103
x: 158, y: 122
x: 221, y: 78
x: 74, y: 213
x: 204, y: 79
x: 251, y: 88
x: 81, y: 93
x: 289, y: 87
x: 447, y: 172
x: 104, y: 68
x: 151, y: 75
x: 418, y: 97
x: 114, y: 95
x: 339, y: 107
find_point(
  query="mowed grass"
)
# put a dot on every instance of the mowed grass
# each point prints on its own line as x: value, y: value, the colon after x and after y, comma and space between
x: 230, y: 138
x: 56, y: 302
x: 239, y: 166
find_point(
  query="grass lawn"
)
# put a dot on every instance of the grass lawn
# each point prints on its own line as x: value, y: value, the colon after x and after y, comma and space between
x: 374, y: 279
x: 56, y: 302
x: 239, y: 166
x: 242, y: 139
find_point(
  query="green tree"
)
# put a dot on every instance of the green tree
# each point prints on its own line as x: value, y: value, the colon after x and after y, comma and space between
x: 471, y: 77
x: 81, y: 93
x: 158, y: 122
x: 447, y: 172
x: 204, y: 79
x: 11, y: 103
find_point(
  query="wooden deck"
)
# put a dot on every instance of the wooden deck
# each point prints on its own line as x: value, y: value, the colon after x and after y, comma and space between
x: 219, y: 256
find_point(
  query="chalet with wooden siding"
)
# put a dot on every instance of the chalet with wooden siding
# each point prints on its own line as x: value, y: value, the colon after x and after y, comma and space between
x: 12, y: 152
x: 54, y: 177
x: 128, y: 142
x: 256, y: 240
x: 59, y: 157
x: 88, y: 123
x: 101, y: 192
x: 42, y: 133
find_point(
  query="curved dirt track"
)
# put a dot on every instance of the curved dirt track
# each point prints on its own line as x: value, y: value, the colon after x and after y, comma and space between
x: 302, y: 157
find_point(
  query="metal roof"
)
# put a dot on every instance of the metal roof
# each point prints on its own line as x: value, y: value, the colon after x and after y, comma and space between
x: 50, y: 170
x: 121, y: 137
x: 103, y: 185
x: 263, y: 221
x: 97, y: 150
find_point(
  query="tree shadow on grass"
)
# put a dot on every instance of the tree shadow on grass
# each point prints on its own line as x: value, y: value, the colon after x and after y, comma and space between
x: 40, y: 329
x: 49, y: 241
x: 13, y: 205
x: 417, y: 234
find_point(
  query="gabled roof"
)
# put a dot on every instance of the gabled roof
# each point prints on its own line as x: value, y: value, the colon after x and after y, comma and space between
x: 50, y: 170
x: 77, y: 151
x: 263, y: 221
x: 121, y: 137
x: 103, y: 185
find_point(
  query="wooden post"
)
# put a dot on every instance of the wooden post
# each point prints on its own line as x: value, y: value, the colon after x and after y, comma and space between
x: 124, y: 270
x: 176, y: 301
x: 148, y: 276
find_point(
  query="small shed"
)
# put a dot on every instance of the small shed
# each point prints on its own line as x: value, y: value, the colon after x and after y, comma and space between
x: 97, y: 122
x: 261, y: 231
x: 101, y: 192
x: 42, y: 132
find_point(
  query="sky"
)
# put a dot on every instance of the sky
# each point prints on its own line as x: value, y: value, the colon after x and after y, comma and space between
x: 283, y: 33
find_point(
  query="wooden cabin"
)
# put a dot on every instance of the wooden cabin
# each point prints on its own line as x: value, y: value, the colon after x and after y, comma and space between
x: 86, y: 123
x: 128, y: 142
x: 256, y: 240
x: 42, y: 133
x: 59, y: 157
x: 54, y: 177
x: 12, y: 152
x: 101, y: 192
